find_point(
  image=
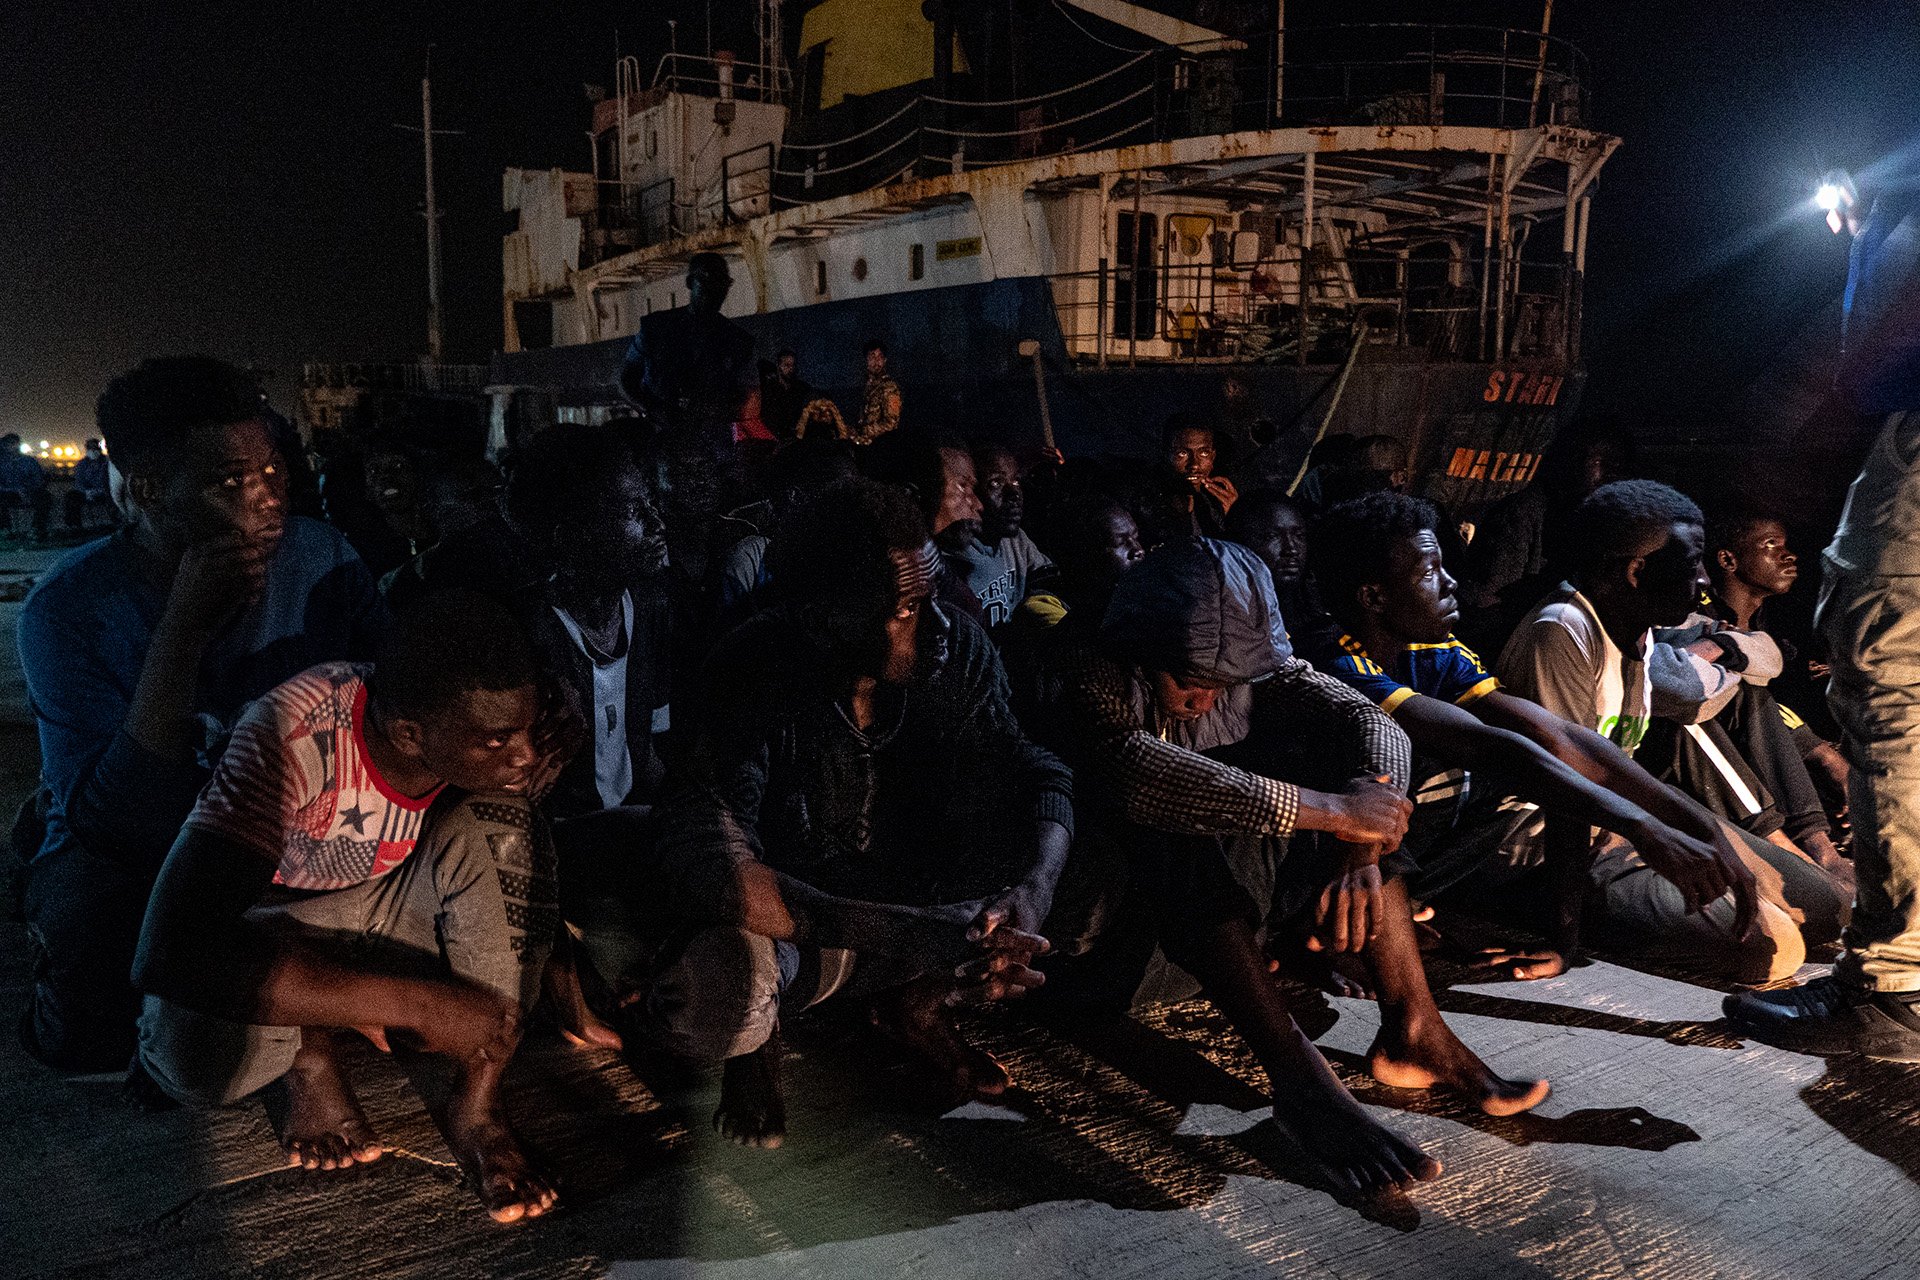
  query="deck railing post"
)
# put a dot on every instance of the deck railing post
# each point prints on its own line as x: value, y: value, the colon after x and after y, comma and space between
x: 1100, y: 316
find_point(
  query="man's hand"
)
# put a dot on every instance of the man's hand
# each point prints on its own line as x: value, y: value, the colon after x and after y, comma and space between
x: 1373, y: 813
x: 466, y: 1024
x: 1350, y: 908
x: 1023, y: 907
x: 558, y: 734
x: 1524, y: 964
x: 1701, y: 871
x: 1222, y: 490
x: 1005, y: 969
x: 217, y: 578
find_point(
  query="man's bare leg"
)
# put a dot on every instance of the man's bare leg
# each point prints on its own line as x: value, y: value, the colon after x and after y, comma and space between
x: 326, y: 1129
x: 918, y: 1015
x: 477, y: 1131
x: 753, y: 1108
x: 1350, y: 1149
x: 560, y: 985
x: 1415, y: 1048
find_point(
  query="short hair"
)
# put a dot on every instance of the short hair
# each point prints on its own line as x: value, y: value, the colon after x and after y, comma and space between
x: 913, y: 458
x: 1728, y: 525
x: 1617, y: 520
x: 147, y: 413
x: 783, y: 353
x: 983, y: 450
x: 559, y: 475
x: 873, y: 345
x: 449, y: 643
x: 1176, y: 423
x: 836, y: 549
x: 1352, y: 544
x: 1251, y: 506
x: 11, y: 440
x: 708, y: 261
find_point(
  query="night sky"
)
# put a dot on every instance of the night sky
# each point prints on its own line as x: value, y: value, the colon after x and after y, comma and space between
x: 226, y: 178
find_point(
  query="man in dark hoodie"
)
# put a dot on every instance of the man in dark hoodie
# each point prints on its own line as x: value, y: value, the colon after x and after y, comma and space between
x: 856, y: 802
x: 1192, y: 664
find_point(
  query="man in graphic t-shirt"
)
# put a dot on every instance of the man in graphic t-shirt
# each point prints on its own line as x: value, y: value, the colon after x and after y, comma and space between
x: 1001, y: 562
x: 364, y: 859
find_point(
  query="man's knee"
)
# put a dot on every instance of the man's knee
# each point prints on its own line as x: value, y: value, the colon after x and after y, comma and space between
x: 1773, y: 949
x: 203, y: 1061
x: 720, y: 998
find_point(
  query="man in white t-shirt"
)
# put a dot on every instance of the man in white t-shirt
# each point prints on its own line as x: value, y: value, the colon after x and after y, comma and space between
x: 1582, y: 654
x: 364, y: 859
x: 1001, y: 562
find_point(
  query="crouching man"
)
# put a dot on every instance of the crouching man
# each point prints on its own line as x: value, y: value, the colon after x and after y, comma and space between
x: 860, y: 815
x: 363, y: 859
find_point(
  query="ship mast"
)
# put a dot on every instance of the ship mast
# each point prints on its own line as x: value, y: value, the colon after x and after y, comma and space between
x: 767, y: 22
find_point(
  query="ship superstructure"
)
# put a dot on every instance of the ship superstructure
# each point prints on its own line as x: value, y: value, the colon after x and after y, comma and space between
x: 1371, y: 229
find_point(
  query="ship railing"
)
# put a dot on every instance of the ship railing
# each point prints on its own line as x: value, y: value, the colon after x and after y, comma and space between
x: 1421, y: 73
x: 432, y: 379
x: 1366, y: 73
x: 720, y: 76
x: 1271, y: 309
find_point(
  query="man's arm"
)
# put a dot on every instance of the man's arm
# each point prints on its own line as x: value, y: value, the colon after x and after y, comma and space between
x: 1169, y: 788
x: 1699, y: 879
x: 199, y: 950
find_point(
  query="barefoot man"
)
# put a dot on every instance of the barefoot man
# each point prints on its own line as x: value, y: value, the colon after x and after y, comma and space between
x: 861, y: 815
x: 364, y: 859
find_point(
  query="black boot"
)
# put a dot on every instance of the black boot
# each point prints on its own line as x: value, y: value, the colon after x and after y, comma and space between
x: 1827, y: 1016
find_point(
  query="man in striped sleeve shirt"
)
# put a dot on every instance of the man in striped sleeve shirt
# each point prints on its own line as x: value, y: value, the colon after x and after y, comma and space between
x: 1192, y: 664
x: 364, y: 859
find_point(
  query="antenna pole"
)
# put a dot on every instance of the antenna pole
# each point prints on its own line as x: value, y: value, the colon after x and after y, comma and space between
x: 435, y: 337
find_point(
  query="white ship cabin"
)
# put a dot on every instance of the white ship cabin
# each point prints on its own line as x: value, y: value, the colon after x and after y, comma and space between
x: 1433, y: 196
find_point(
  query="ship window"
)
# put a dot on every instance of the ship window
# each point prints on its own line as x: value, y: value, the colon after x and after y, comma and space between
x: 820, y: 278
x: 859, y: 268
x: 916, y: 261
x: 653, y: 143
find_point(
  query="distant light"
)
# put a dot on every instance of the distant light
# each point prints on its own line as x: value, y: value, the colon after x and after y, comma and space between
x: 26, y: 448
x: 1828, y: 197
x: 45, y: 445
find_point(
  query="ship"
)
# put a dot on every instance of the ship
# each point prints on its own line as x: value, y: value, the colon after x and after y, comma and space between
x: 1070, y: 221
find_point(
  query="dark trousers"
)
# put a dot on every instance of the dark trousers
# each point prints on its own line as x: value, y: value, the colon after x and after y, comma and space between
x: 83, y: 917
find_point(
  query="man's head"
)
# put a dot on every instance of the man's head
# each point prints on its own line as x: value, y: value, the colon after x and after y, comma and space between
x: 454, y: 690
x: 1377, y: 560
x: 787, y: 365
x: 856, y: 567
x: 10, y: 443
x: 876, y: 353
x: 1199, y: 617
x: 579, y: 501
x: 1751, y: 548
x: 708, y: 281
x: 1094, y: 540
x: 1189, y: 449
x: 1275, y: 527
x: 803, y: 468
x: 1002, y: 503
x: 1638, y: 548
x: 94, y: 448
x: 939, y: 471
x: 395, y: 484
x: 186, y: 434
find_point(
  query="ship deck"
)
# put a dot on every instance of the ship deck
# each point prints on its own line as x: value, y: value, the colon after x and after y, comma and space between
x: 1130, y: 1148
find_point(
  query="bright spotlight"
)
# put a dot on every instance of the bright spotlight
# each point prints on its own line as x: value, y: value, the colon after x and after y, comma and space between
x: 1836, y: 197
x: 1828, y: 197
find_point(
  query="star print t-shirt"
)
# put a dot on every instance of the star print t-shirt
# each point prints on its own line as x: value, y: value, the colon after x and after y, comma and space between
x: 297, y: 786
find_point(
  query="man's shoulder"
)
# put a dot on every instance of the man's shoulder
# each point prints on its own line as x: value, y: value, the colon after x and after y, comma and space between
x: 318, y: 542
x: 84, y: 578
x: 328, y: 682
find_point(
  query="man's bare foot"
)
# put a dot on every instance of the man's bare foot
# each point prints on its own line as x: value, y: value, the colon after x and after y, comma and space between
x: 1351, y: 1150
x: 753, y: 1108
x: 489, y: 1153
x: 917, y: 1016
x: 325, y: 1127
x: 578, y: 1023
x: 1427, y: 1054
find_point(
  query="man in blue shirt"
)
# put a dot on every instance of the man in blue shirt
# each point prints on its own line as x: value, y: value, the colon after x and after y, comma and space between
x: 23, y: 483
x: 140, y: 651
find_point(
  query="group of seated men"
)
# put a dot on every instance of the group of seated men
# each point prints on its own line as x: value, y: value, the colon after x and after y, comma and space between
x: 880, y: 748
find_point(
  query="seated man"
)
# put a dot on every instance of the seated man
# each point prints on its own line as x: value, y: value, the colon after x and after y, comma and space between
x: 1582, y: 654
x: 91, y: 487
x: 857, y: 802
x: 139, y: 651
x: 1193, y: 661
x: 1274, y: 527
x: 324, y: 883
x: 1378, y: 560
x: 23, y: 486
x: 1002, y: 564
